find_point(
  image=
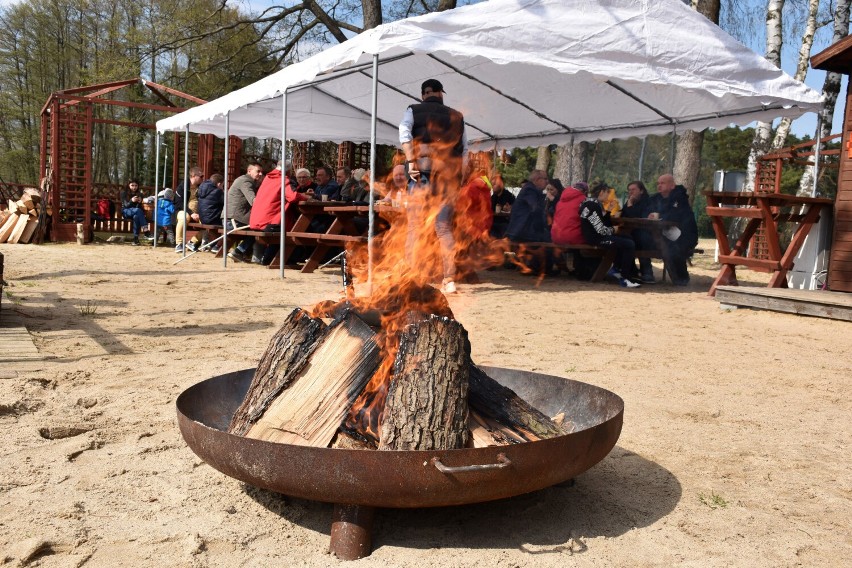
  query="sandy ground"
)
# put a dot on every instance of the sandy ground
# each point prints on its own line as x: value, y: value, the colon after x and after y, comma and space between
x: 734, y: 452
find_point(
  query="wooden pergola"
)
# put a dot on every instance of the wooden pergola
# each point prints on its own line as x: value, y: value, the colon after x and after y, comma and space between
x: 67, y: 132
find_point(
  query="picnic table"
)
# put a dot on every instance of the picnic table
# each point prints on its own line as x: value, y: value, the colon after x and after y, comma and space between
x: 765, y: 211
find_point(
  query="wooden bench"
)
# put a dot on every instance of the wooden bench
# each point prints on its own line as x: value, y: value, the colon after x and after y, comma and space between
x: 607, y: 255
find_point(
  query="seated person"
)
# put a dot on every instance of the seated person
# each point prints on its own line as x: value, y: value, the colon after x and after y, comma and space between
x: 326, y: 186
x: 196, y: 176
x: 241, y: 196
x: 528, y: 223
x: 266, y: 210
x: 610, y: 201
x: 598, y: 230
x: 347, y: 183
x: 552, y: 193
x: 165, y: 215
x: 131, y: 208
x: 503, y: 199
x: 566, y: 218
x: 397, y: 186
x: 671, y: 203
x: 473, y: 220
x: 638, y: 206
x: 211, y: 201
x: 304, y: 180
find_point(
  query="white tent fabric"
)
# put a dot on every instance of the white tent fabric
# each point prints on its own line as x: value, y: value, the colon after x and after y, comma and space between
x: 524, y: 73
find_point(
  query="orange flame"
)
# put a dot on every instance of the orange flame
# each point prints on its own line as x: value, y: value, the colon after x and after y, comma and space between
x: 408, y: 258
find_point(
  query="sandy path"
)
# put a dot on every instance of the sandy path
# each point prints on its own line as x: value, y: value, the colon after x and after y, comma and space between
x: 735, y: 448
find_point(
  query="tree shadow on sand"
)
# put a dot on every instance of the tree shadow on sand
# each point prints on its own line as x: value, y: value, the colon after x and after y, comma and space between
x: 623, y: 492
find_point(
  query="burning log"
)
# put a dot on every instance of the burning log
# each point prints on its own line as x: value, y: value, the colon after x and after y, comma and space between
x: 310, y: 411
x: 310, y: 406
x: 495, y: 402
x: 287, y: 354
x: 426, y: 405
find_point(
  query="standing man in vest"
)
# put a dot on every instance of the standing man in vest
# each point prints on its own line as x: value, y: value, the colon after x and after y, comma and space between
x: 433, y: 138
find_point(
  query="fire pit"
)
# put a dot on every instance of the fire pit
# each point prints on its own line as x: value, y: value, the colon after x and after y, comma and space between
x: 357, y: 481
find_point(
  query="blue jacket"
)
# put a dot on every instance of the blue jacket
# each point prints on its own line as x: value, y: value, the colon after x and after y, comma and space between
x: 165, y: 212
x: 211, y: 200
x: 528, y: 221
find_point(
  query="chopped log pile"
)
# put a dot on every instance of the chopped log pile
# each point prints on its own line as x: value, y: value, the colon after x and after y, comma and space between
x: 411, y: 384
x: 19, y: 222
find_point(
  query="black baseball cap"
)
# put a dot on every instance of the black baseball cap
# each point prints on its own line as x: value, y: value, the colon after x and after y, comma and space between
x: 433, y: 84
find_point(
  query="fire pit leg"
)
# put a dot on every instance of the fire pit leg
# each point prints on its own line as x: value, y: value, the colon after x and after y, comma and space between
x: 352, y: 531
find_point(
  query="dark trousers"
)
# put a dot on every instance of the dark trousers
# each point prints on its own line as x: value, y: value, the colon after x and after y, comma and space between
x: 138, y: 217
x: 675, y: 256
x: 625, y: 253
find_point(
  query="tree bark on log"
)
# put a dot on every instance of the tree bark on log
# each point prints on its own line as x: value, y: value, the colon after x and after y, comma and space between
x: 310, y: 411
x: 426, y: 406
x: 288, y: 352
x: 493, y: 401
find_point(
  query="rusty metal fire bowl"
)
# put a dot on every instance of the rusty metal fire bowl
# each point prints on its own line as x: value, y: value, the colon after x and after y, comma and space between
x: 357, y: 481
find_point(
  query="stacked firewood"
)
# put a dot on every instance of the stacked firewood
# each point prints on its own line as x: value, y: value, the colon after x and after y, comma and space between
x: 19, y: 222
x: 314, y: 374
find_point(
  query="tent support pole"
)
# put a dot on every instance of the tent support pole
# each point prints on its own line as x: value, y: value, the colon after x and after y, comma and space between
x: 374, y: 111
x: 571, y: 179
x: 642, y: 156
x: 282, y: 247
x: 674, y: 146
x: 156, y: 182
x: 816, y: 153
x: 225, y: 216
x: 185, y: 185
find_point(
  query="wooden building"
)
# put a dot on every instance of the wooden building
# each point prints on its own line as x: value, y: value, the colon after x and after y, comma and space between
x: 838, y: 58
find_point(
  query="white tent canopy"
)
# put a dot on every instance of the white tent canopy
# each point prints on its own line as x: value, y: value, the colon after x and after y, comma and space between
x: 524, y: 73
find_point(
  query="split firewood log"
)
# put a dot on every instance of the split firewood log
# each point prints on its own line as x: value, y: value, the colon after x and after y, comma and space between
x: 288, y: 352
x: 312, y: 408
x: 493, y: 401
x: 426, y: 405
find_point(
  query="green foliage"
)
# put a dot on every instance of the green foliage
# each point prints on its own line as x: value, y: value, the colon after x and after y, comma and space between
x: 521, y: 163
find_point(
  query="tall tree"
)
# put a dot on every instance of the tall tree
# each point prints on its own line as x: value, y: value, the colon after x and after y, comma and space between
x: 687, y: 163
x: 774, y: 40
x: 830, y: 91
x: 810, y: 28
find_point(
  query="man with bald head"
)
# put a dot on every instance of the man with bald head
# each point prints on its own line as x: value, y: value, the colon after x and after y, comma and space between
x: 671, y: 203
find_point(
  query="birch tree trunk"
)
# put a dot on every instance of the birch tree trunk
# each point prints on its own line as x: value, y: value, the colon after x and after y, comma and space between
x: 830, y: 90
x: 763, y: 133
x: 801, y: 68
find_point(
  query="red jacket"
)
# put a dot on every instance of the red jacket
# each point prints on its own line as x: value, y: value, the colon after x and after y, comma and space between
x: 566, y: 221
x: 473, y: 207
x: 266, y: 209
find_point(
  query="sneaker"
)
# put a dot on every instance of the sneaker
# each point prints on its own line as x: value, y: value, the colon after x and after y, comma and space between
x: 215, y: 250
x: 135, y: 241
x: 449, y: 287
x: 614, y: 273
x: 236, y: 256
x: 179, y: 248
x: 625, y: 283
x: 256, y: 260
x: 647, y: 279
x: 192, y: 247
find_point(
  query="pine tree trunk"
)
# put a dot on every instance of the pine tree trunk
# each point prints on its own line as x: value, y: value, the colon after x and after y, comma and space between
x: 542, y: 161
x: 688, y: 160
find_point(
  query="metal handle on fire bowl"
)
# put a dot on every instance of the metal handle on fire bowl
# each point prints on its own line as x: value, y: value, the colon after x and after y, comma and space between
x: 502, y: 460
